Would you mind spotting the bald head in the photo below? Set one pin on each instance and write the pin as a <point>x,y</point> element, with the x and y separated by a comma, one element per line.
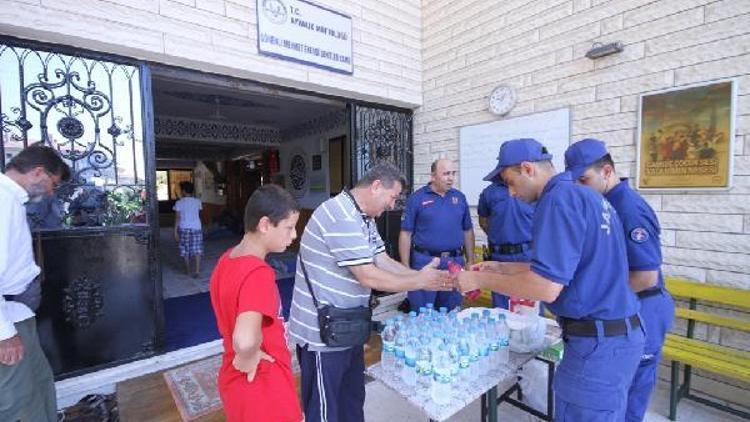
<point>443,175</point>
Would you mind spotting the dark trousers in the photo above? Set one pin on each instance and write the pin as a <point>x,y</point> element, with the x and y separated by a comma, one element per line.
<point>333,385</point>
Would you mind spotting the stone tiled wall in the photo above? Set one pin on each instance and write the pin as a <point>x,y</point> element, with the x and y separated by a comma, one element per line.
<point>220,36</point>
<point>539,46</point>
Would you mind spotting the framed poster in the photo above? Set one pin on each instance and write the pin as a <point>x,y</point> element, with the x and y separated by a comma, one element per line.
<point>686,137</point>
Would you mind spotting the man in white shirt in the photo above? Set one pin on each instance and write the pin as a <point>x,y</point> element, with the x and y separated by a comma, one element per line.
<point>27,389</point>
<point>188,231</point>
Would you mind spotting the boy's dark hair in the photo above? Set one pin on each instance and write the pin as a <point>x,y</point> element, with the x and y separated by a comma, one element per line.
<point>187,187</point>
<point>270,201</point>
<point>39,155</point>
<point>607,159</point>
<point>387,173</point>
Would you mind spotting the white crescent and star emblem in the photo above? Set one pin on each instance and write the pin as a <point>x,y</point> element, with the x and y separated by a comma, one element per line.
<point>639,235</point>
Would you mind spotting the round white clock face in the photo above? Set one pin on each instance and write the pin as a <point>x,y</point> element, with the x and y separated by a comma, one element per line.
<point>502,100</point>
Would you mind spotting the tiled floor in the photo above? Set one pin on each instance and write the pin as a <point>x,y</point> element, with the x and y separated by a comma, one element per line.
<point>175,281</point>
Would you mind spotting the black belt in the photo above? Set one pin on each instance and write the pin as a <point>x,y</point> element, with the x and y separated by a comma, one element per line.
<point>443,254</point>
<point>509,248</point>
<point>9,297</point>
<point>587,328</point>
<point>648,293</point>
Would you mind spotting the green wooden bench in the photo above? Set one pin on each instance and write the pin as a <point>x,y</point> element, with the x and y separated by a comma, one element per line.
<point>696,353</point>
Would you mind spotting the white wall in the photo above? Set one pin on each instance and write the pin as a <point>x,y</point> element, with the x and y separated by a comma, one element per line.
<point>205,186</point>
<point>220,36</point>
<point>310,145</point>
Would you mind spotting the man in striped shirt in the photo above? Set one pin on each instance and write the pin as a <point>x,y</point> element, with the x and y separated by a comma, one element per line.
<point>344,257</point>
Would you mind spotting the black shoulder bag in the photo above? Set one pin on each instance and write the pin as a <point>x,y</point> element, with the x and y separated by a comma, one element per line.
<point>340,327</point>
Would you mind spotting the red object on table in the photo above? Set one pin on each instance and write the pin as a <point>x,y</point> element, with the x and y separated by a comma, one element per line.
<point>455,268</point>
<point>514,302</point>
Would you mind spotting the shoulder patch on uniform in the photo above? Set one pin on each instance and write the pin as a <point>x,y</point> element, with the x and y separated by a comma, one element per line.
<point>455,200</point>
<point>639,235</point>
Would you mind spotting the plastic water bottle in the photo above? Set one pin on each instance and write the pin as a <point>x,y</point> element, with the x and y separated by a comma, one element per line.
<point>409,371</point>
<point>494,345</point>
<point>464,358</point>
<point>503,339</point>
<point>398,353</point>
<point>441,388</point>
<point>443,311</point>
<point>483,344</point>
<point>424,367</point>
<point>388,355</point>
<point>430,309</point>
<point>454,355</point>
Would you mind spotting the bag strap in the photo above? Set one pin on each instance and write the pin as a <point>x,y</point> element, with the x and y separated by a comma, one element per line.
<point>307,280</point>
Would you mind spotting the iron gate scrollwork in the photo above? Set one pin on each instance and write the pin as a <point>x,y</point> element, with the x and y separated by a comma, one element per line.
<point>101,295</point>
<point>380,135</point>
<point>89,111</point>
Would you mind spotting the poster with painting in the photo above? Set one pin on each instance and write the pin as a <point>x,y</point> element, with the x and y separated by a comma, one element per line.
<point>685,137</point>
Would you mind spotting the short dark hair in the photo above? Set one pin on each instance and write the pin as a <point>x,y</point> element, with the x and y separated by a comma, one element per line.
<point>270,201</point>
<point>39,155</point>
<point>187,187</point>
<point>607,159</point>
<point>387,173</point>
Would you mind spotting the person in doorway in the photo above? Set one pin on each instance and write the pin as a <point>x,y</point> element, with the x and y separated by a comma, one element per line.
<point>344,258</point>
<point>590,164</point>
<point>579,268</point>
<point>255,378</point>
<point>507,222</point>
<point>27,389</point>
<point>436,224</point>
<point>188,231</point>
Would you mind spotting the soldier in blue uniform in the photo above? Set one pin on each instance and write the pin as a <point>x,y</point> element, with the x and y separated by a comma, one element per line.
<point>579,268</point>
<point>590,164</point>
<point>507,222</point>
<point>436,223</point>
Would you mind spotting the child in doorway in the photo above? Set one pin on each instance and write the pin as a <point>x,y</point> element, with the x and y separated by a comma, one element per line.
<point>255,379</point>
<point>188,231</point>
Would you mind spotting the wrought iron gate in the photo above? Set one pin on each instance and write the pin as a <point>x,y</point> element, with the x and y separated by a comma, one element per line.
<point>95,239</point>
<point>380,135</point>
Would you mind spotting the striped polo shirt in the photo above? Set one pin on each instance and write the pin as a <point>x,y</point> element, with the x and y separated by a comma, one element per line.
<point>338,236</point>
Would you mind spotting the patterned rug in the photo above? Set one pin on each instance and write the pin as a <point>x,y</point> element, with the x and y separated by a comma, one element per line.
<point>194,388</point>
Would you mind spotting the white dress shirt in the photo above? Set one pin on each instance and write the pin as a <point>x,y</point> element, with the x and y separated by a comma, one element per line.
<point>17,266</point>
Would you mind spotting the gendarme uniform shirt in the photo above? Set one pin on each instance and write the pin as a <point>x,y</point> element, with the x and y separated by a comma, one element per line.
<point>437,222</point>
<point>509,218</point>
<point>337,237</point>
<point>642,230</point>
<point>17,266</point>
<point>579,243</point>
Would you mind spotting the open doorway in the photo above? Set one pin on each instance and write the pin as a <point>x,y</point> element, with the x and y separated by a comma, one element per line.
<point>228,138</point>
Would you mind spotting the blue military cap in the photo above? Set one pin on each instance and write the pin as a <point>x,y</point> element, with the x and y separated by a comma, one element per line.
<point>582,154</point>
<point>517,151</point>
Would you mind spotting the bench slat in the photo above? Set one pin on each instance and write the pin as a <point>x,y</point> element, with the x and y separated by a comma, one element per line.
<point>723,353</point>
<point>697,358</point>
<point>712,319</point>
<point>709,292</point>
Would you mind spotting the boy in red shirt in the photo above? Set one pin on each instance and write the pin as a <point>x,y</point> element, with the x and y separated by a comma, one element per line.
<point>255,380</point>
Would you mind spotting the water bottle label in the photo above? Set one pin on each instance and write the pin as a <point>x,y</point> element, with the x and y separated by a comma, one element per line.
<point>410,362</point>
<point>399,353</point>
<point>504,343</point>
